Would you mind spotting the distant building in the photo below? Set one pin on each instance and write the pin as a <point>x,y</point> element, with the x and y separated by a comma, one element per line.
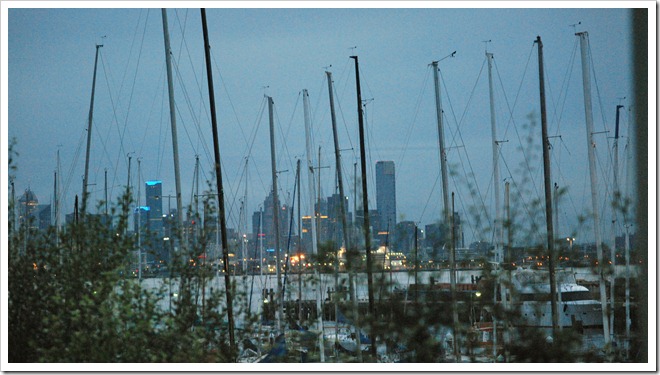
<point>405,237</point>
<point>438,238</point>
<point>38,216</point>
<point>359,234</point>
<point>385,198</point>
<point>268,223</point>
<point>154,194</point>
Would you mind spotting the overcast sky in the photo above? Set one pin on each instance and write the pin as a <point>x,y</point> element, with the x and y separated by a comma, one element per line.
<point>279,52</point>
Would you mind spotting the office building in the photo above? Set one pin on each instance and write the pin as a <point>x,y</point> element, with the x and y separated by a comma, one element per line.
<point>385,199</point>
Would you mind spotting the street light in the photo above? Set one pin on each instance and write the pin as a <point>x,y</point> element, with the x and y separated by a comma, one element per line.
<point>570,243</point>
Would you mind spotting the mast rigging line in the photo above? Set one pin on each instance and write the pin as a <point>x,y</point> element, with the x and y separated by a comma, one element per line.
<point>345,76</point>
<point>122,149</point>
<point>512,120</point>
<point>114,117</point>
<point>195,120</point>
<point>137,24</point>
<point>411,127</point>
<point>563,180</point>
<point>248,144</point>
<point>284,146</point>
<point>564,89</point>
<point>114,107</point>
<point>460,134</point>
<point>74,162</point>
<point>525,205</point>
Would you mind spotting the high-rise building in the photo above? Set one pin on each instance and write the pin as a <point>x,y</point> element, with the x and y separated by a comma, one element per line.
<point>31,212</point>
<point>154,193</point>
<point>386,196</point>
<point>153,245</point>
<point>267,223</point>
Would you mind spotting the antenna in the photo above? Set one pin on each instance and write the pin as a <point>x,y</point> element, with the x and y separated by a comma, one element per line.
<point>575,24</point>
<point>486,43</point>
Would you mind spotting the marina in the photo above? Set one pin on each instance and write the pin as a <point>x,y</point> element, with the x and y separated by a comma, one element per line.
<point>349,223</point>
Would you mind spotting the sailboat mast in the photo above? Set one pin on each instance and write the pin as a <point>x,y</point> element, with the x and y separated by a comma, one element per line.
<point>221,196</point>
<point>139,225</point>
<point>300,259</point>
<point>617,195</point>
<point>445,208</point>
<point>496,169</point>
<point>54,210</point>
<point>105,188</point>
<point>310,182</point>
<point>627,247</point>
<point>548,192</point>
<point>175,145</point>
<point>586,85</point>
<point>365,207</point>
<point>57,199</point>
<point>342,211</point>
<point>198,217</point>
<point>441,141</point>
<point>89,135</point>
<point>276,216</point>
<point>245,218</point>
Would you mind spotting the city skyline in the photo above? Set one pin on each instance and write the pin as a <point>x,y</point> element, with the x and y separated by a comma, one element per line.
<point>254,58</point>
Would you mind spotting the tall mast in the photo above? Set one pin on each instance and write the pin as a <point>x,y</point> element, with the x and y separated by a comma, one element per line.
<point>128,181</point>
<point>57,200</point>
<point>13,207</point>
<point>276,215</point>
<point>310,182</point>
<point>54,209</point>
<point>221,195</point>
<point>496,169</point>
<point>245,218</point>
<point>318,198</point>
<point>615,200</point>
<point>89,135</point>
<point>198,217</point>
<point>445,208</point>
<point>105,187</point>
<point>627,246</point>
<point>354,193</point>
<point>365,208</point>
<point>555,202</point>
<point>342,211</point>
<point>300,261</point>
<point>441,141</point>
<point>548,193</point>
<point>139,226</point>
<point>586,85</point>
<point>175,145</point>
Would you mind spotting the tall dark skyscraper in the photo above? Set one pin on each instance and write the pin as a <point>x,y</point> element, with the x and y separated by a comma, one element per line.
<point>154,191</point>
<point>386,195</point>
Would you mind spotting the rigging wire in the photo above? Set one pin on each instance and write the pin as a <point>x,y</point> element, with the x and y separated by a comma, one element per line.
<point>512,121</point>
<point>525,205</point>
<point>458,132</point>
<point>73,164</point>
<point>411,127</point>
<point>114,117</point>
<point>431,193</point>
<point>195,120</point>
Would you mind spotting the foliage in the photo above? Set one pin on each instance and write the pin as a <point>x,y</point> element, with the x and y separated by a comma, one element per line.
<point>70,300</point>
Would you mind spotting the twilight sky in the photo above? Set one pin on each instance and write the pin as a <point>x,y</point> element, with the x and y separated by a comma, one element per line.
<point>280,52</point>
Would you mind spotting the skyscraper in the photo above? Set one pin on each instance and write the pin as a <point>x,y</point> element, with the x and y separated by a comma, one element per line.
<point>154,207</point>
<point>386,196</point>
<point>154,192</point>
